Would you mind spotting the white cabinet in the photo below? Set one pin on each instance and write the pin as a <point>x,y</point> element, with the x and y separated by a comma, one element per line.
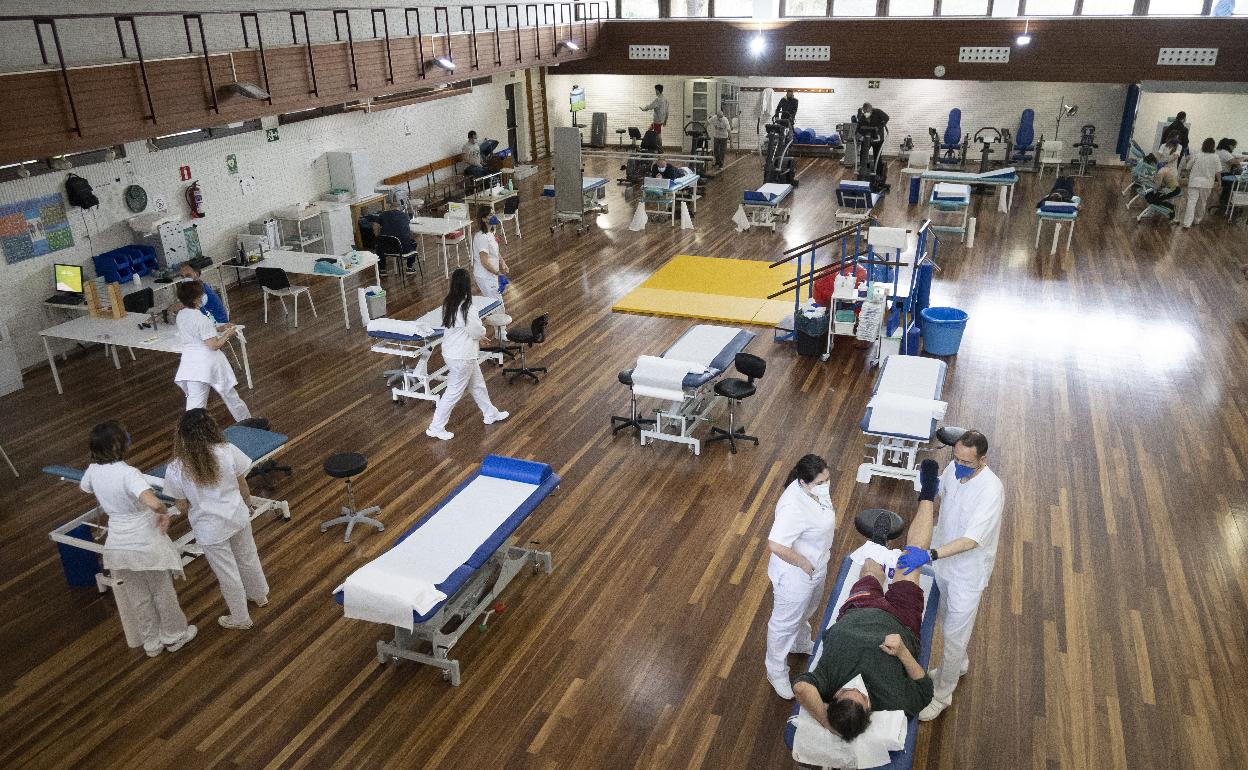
<point>336,224</point>
<point>350,170</point>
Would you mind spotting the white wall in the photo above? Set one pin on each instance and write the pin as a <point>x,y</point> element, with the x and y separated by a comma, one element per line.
<point>288,171</point>
<point>912,105</point>
<point>1216,115</point>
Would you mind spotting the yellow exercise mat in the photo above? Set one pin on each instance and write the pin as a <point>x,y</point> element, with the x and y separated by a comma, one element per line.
<point>711,289</point>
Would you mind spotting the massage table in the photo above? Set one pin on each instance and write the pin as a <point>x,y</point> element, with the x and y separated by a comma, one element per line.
<point>664,196</point>
<point>888,743</point>
<point>902,416</point>
<point>763,206</point>
<point>1003,178</point>
<point>854,203</point>
<point>952,198</point>
<point>593,188</point>
<point>683,379</point>
<point>258,445</point>
<point>448,569</point>
<point>415,340</point>
<point>1057,212</point>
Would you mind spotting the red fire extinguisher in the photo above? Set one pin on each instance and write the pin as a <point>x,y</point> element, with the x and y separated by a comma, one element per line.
<point>195,200</point>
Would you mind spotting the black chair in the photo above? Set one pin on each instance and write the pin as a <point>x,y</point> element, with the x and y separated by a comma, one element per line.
<point>949,435</point>
<point>511,213</point>
<point>344,466</point>
<point>634,136</point>
<point>527,338</point>
<point>274,282</point>
<point>735,389</point>
<point>268,466</point>
<point>633,420</point>
<point>391,246</point>
<point>879,525</point>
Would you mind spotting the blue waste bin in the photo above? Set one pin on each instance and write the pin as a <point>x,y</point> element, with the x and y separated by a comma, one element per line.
<point>942,330</point>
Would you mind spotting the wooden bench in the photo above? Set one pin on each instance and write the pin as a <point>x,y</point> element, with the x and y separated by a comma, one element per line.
<point>435,192</point>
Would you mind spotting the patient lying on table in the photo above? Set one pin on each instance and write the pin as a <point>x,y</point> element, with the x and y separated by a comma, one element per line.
<point>869,653</point>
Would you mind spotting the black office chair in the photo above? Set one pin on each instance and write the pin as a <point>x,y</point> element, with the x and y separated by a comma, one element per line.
<point>527,338</point>
<point>634,420</point>
<point>274,282</point>
<point>735,389</point>
<point>634,136</point>
<point>391,246</point>
<point>268,466</point>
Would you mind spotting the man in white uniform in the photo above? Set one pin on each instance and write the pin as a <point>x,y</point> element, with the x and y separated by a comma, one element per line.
<point>967,530</point>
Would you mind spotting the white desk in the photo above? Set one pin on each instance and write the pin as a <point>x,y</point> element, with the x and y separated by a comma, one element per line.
<point>304,263</point>
<point>440,227</point>
<point>495,196</point>
<point>126,333</point>
<point>147,282</point>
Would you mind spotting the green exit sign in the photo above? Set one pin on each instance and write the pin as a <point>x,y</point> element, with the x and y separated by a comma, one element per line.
<point>271,134</point>
<point>873,84</point>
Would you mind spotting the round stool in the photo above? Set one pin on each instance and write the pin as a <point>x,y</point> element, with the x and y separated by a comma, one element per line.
<point>498,321</point>
<point>865,522</point>
<point>619,134</point>
<point>634,419</point>
<point>949,435</point>
<point>343,466</point>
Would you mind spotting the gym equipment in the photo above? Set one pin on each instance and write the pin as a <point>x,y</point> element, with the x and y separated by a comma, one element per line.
<point>777,163</point>
<point>954,151</point>
<point>1086,145</point>
<point>849,135</point>
<point>1023,138</point>
<point>699,139</point>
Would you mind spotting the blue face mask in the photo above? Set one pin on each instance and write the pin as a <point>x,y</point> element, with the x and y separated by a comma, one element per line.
<point>961,471</point>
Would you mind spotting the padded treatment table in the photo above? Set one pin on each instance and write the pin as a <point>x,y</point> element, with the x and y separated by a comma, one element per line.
<point>416,340</point>
<point>951,198</point>
<point>1057,212</point>
<point>816,746</point>
<point>1003,178</point>
<point>854,202</point>
<point>664,196</point>
<point>902,416</point>
<point>592,190</point>
<point>763,207</point>
<point>258,445</point>
<point>705,351</point>
<point>448,569</point>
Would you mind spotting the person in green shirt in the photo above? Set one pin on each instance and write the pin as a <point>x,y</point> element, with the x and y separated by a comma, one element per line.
<point>876,636</point>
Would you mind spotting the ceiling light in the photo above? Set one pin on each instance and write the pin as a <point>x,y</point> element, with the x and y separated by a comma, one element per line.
<point>570,45</point>
<point>445,63</point>
<point>757,45</point>
<point>1025,38</point>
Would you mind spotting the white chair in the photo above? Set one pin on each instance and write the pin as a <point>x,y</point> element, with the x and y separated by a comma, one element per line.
<point>273,282</point>
<point>459,238</point>
<point>1052,154</point>
<point>510,213</point>
<point>1239,196</point>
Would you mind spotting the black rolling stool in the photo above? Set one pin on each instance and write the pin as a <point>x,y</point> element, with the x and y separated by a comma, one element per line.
<point>344,466</point>
<point>736,389</point>
<point>527,338</point>
<point>949,435</point>
<point>619,137</point>
<point>268,466</point>
<point>633,420</point>
<point>879,525</point>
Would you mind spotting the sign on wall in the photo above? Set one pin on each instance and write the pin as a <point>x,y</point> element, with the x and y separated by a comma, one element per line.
<point>33,228</point>
<point>231,163</point>
<point>271,134</point>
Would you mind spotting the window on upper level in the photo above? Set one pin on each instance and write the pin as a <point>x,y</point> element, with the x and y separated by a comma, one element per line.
<point>853,7</point>
<point>734,8</point>
<point>964,8</point>
<point>805,7</point>
<point>910,7</point>
<point>690,8</point>
<point>1108,7</point>
<point>1175,7</point>
<point>1048,7</point>
<point>639,9</point>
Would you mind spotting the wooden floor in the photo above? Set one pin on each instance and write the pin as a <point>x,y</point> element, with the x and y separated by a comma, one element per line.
<point>1110,381</point>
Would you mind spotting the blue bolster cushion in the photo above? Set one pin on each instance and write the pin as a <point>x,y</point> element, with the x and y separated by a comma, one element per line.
<point>511,469</point>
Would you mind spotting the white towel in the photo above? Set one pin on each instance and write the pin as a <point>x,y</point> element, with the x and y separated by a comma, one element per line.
<point>663,378</point>
<point>395,326</point>
<point>886,557</point>
<point>907,415</point>
<point>639,218</point>
<point>813,744</point>
<point>741,220</point>
<point>686,222</point>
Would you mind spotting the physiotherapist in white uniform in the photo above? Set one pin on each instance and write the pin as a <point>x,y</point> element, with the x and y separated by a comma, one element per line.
<point>487,263</point>
<point>800,542</point>
<point>967,530</point>
<point>137,550</point>
<point>208,482</point>
<point>204,367</point>
<point>461,350</point>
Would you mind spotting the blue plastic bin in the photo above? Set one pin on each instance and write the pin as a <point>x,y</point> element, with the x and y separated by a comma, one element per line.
<point>942,330</point>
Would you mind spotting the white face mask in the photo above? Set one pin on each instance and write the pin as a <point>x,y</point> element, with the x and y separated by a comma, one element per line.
<point>820,490</point>
<point>662,169</point>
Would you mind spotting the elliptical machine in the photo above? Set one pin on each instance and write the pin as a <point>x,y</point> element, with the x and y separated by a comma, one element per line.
<point>777,163</point>
<point>869,166</point>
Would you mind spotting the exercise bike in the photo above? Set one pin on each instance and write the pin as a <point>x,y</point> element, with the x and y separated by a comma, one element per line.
<point>983,138</point>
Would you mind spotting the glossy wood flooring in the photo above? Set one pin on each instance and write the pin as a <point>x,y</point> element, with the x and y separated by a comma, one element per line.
<point>1110,380</point>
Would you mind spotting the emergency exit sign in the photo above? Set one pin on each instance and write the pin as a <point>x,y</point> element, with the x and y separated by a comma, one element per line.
<point>271,134</point>
<point>873,84</point>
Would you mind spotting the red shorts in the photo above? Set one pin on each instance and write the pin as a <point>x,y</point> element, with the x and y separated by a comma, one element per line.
<point>656,128</point>
<point>903,600</point>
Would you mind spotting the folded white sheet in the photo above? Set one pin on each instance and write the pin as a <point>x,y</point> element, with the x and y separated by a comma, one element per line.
<point>702,343</point>
<point>911,376</point>
<point>907,415</point>
<point>815,745</point>
<point>656,377</point>
<point>396,326</point>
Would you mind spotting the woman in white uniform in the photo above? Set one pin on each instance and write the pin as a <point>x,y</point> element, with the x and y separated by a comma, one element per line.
<point>487,263</point>
<point>461,350</point>
<point>208,482</point>
<point>1203,173</point>
<point>204,367</point>
<point>137,550</point>
<point>800,542</point>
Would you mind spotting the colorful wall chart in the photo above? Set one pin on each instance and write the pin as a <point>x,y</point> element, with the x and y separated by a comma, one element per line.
<point>33,228</point>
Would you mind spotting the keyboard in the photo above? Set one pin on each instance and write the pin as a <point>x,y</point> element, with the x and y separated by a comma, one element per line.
<point>66,298</point>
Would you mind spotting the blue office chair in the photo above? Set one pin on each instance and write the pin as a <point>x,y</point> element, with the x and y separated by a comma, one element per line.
<point>952,142</point>
<point>1024,138</point>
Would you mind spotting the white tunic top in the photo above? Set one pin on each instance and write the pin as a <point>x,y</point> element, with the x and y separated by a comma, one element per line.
<point>487,282</point>
<point>217,510</point>
<point>805,525</point>
<point>459,341</point>
<point>969,510</point>
<point>133,541</point>
<point>1205,169</point>
<point>201,363</point>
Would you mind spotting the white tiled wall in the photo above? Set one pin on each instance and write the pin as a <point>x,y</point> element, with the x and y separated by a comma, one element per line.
<point>288,171</point>
<point>1216,115</point>
<point>913,105</point>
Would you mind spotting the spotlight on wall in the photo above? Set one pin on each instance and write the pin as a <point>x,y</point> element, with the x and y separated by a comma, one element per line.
<point>110,155</point>
<point>444,62</point>
<point>1025,38</point>
<point>22,171</point>
<point>568,44</point>
<point>61,163</point>
<point>758,44</point>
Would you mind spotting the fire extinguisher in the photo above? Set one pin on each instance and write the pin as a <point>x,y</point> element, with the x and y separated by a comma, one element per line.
<point>195,200</point>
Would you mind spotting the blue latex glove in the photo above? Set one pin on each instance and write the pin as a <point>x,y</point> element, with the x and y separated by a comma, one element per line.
<point>913,558</point>
<point>503,283</point>
<point>929,480</point>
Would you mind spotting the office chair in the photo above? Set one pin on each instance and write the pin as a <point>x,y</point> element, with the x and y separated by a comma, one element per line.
<point>527,338</point>
<point>735,390</point>
<point>391,246</point>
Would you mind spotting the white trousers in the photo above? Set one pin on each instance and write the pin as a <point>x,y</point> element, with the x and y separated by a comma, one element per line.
<point>956,615</point>
<point>461,376</point>
<point>197,398</point>
<point>1197,202</point>
<point>237,567</point>
<point>154,605</point>
<point>796,598</point>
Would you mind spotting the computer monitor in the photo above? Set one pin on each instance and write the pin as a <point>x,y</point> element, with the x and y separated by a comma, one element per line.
<point>68,278</point>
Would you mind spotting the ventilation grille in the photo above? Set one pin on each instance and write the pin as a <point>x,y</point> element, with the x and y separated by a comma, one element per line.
<point>984,54</point>
<point>659,52</point>
<point>808,53</point>
<point>1199,57</point>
